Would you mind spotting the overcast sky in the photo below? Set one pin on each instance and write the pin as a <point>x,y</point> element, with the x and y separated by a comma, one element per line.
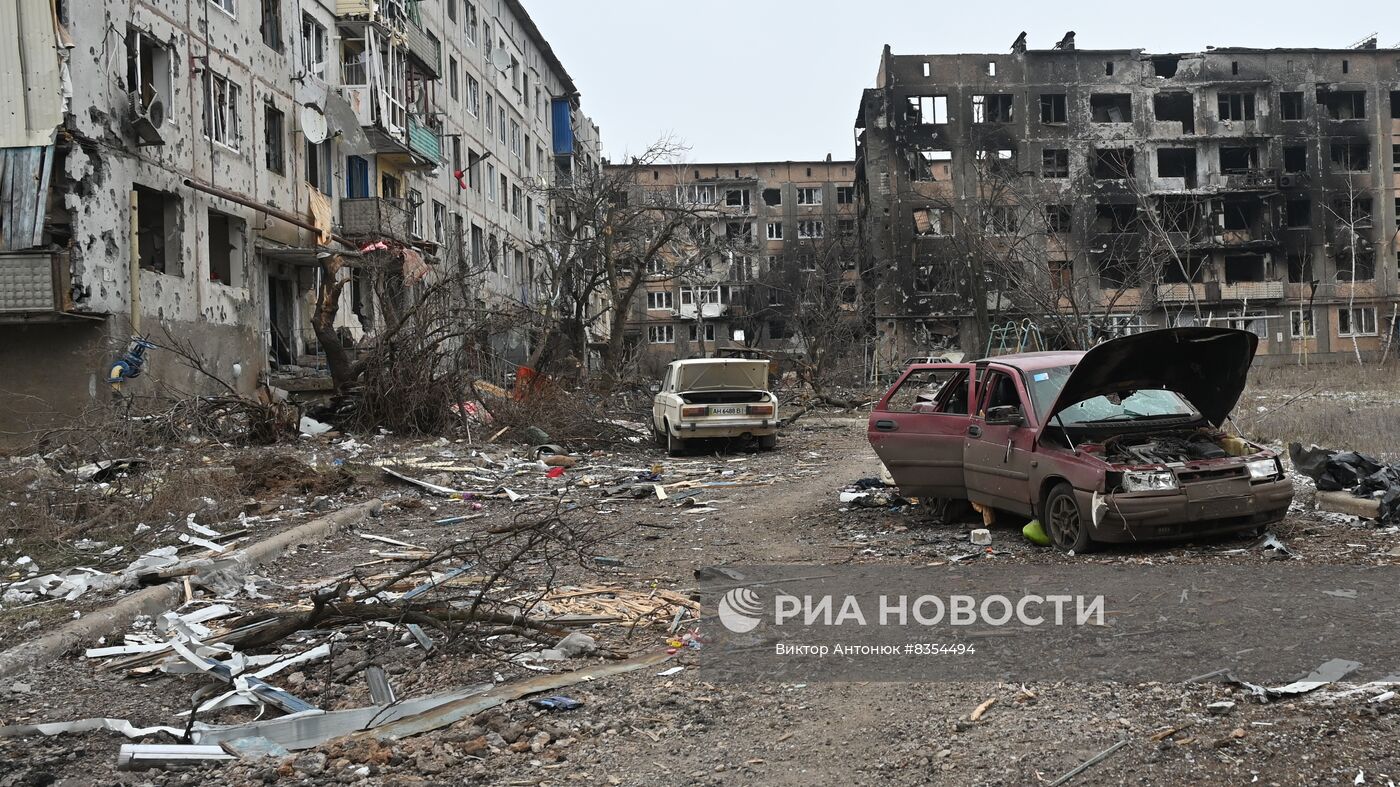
<point>752,80</point>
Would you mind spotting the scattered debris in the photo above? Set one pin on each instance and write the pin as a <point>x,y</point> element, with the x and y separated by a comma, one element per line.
<point>1089,763</point>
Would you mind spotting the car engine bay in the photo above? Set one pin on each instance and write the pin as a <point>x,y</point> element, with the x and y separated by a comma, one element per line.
<point>1161,448</point>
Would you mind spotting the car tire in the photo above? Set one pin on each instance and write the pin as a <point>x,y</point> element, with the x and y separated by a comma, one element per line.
<point>658,436</point>
<point>1064,521</point>
<point>675,446</point>
<point>768,442</point>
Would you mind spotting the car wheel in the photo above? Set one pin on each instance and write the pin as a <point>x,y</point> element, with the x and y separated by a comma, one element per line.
<point>675,446</point>
<point>1064,522</point>
<point>658,436</point>
<point>768,442</point>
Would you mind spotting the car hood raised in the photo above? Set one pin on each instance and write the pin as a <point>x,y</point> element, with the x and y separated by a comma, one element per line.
<point>722,374</point>
<point>1208,366</point>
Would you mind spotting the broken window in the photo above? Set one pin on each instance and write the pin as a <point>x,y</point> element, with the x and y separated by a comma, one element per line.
<point>1343,104</point>
<point>1178,213</point>
<point>315,42</point>
<point>1061,274</point>
<point>1240,214</point>
<point>1295,158</point>
<point>270,24</point>
<point>809,195</point>
<point>1175,106</point>
<point>738,231</point>
<point>1236,106</point>
<point>1245,267</point>
<point>1058,219</point>
<point>709,329</point>
<point>1298,213</point>
<point>158,222</point>
<point>1299,267</point>
<point>927,110</point>
<point>1054,163</point>
<point>1117,272</point>
<point>1184,269</point>
<point>994,108</point>
<point>1177,163</point>
<point>1356,321</point>
<point>933,165</point>
<point>775,230</point>
<point>845,195</point>
<point>1052,108</point>
<point>274,138</point>
<point>220,110</point>
<point>147,69</point>
<point>773,197</point>
<point>225,248</point>
<point>1251,320</point>
<point>1355,212</point>
<point>1352,156</point>
<point>1115,217</point>
<point>1238,160</point>
<point>846,227</point>
<point>1111,107</point>
<point>661,334</point>
<point>809,229</point>
<point>933,221</point>
<point>1113,163</point>
<point>1291,105</point>
<point>1165,66</point>
<point>1002,160</point>
<point>737,198</point>
<point>999,219</point>
<point>1300,324</point>
<point>695,195</point>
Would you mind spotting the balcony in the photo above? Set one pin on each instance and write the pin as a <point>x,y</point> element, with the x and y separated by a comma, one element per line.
<point>424,140</point>
<point>1211,292</point>
<point>33,282</point>
<point>1181,293</point>
<point>377,218</point>
<point>1252,290</point>
<point>423,51</point>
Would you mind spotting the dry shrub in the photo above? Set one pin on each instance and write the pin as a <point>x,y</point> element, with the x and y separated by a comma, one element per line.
<point>579,416</point>
<point>281,474</point>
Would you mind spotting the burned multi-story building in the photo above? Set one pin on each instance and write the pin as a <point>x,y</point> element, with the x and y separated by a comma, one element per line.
<point>786,223</point>
<point>182,165</point>
<point>999,193</point>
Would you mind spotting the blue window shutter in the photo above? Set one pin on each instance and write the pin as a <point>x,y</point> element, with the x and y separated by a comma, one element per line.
<point>563,127</point>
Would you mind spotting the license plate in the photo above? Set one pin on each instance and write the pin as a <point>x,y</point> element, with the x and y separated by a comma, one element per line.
<point>726,411</point>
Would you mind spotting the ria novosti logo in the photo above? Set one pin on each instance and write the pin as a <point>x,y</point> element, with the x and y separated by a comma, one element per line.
<point>740,610</point>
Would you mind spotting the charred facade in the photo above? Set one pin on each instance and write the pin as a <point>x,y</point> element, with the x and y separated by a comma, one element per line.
<point>999,193</point>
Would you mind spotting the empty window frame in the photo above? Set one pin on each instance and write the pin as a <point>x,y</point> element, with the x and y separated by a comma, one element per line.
<point>999,219</point>
<point>695,195</point>
<point>709,329</point>
<point>1115,218</point>
<point>846,195</point>
<point>809,229</point>
<point>1354,156</point>
<point>661,334</point>
<point>736,198</point>
<point>1343,104</point>
<point>1113,163</point>
<point>933,164</point>
<point>775,230</point>
<point>994,108</point>
<point>1054,163</point>
<point>318,167</point>
<point>158,221</point>
<point>1111,107</point>
<point>773,198</point>
<point>274,139</point>
<point>1053,109</point>
<point>1290,105</point>
<point>270,24</point>
<point>657,301</point>
<point>225,244</point>
<point>1299,267</point>
<point>1236,106</point>
<point>315,43</point>
<point>1240,214</point>
<point>933,221</point>
<point>1245,268</point>
<point>1236,160</point>
<point>809,195</point>
<point>1184,268</point>
<point>1177,163</point>
<point>1356,321</point>
<point>147,69</point>
<point>927,110</point>
<point>1295,158</point>
<point>1058,219</point>
<point>738,232</point>
<point>1355,212</point>
<point>1175,106</point>
<point>1298,212</point>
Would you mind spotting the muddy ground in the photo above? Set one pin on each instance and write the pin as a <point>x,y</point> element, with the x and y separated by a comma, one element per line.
<point>645,729</point>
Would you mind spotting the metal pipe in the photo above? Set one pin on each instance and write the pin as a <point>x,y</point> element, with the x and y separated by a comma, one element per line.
<point>277,213</point>
<point>134,268</point>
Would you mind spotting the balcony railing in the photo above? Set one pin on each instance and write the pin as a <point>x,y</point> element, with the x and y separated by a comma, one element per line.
<point>424,139</point>
<point>425,52</point>
<point>377,217</point>
<point>1252,290</point>
<point>32,282</point>
<point>1216,291</point>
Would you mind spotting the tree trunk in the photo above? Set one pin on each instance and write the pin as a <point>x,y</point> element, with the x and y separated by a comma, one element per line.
<point>323,323</point>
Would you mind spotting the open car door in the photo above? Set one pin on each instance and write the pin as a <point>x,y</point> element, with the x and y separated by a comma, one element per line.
<point>917,429</point>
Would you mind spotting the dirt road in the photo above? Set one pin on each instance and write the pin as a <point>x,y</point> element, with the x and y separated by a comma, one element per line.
<point>645,729</point>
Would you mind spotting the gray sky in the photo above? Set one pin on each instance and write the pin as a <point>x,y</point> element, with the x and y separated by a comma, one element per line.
<point>746,80</point>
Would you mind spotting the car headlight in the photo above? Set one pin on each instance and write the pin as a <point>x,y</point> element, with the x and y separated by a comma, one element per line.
<point>1148,481</point>
<point>1263,470</point>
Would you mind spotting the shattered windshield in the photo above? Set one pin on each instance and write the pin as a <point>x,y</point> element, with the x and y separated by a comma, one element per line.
<point>1045,385</point>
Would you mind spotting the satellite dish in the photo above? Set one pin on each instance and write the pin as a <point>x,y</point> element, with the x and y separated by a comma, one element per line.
<point>500,58</point>
<point>313,125</point>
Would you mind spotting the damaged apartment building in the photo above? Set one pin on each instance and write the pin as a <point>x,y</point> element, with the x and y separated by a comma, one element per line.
<point>179,167</point>
<point>1254,188</point>
<point>777,222</point>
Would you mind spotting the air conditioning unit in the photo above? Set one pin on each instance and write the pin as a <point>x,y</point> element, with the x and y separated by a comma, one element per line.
<point>146,119</point>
